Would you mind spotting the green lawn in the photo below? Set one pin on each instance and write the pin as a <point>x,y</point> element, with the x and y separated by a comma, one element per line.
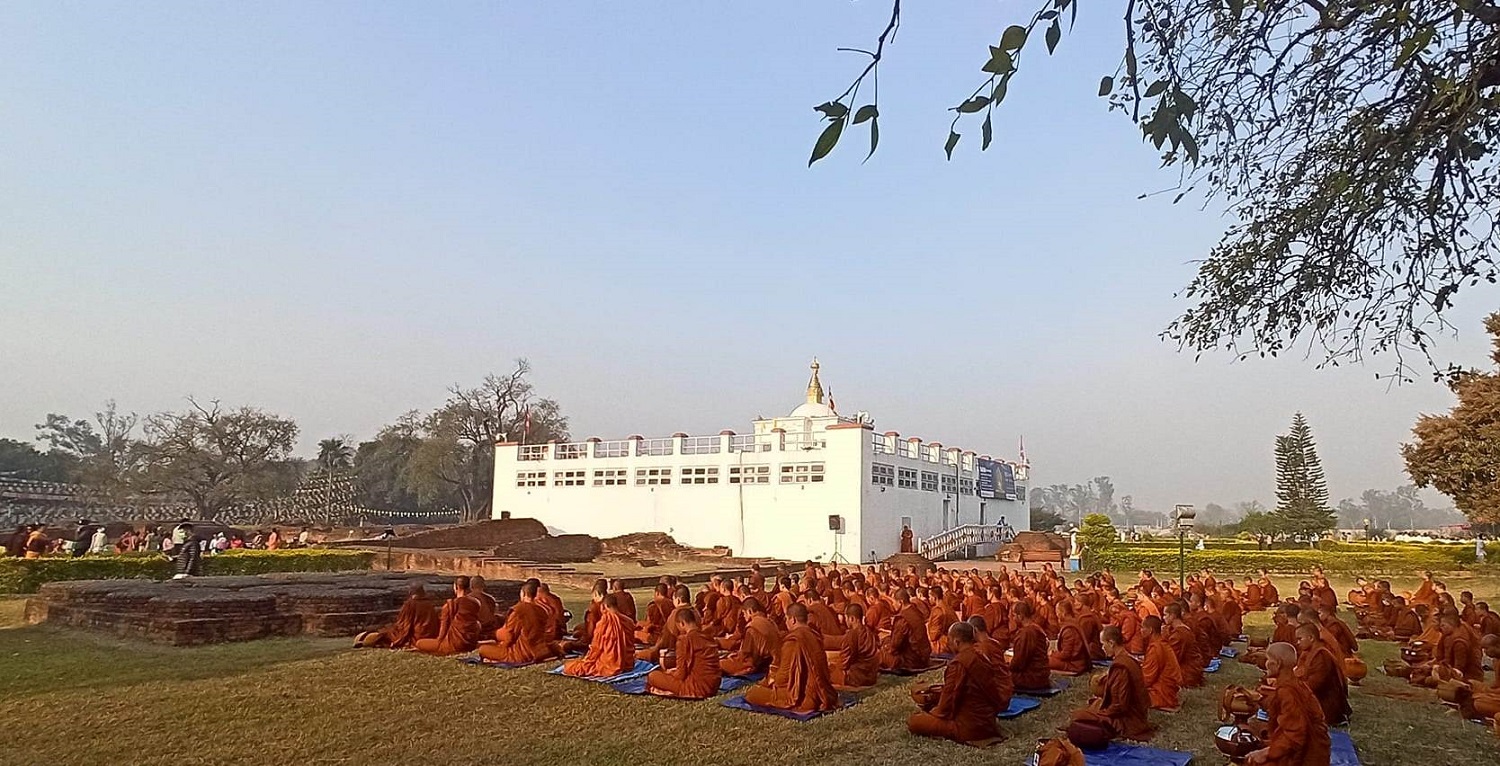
<point>83,699</point>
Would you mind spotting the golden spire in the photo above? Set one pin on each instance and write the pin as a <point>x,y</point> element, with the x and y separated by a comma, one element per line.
<point>815,386</point>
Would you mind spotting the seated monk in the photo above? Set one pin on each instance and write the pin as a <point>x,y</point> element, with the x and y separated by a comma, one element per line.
<point>1129,624</point>
<point>938,621</point>
<point>1162,674</point>
<point>991,650</point>
<point>1460,648</point>
<point>667,640</point>
<point>1323,674</point>
<point>557,613</point>
<point>1072,654</point>
<point>1028,661</point>
<point>458,624</point>
<point>623,598</point>
<point>612,650</point>
<point>906,648</point>
<point>1297,734</point>
<point>1483,700</point>
<point>725,618</point>
<point>821,617</point>
<point>695,675</point>
<point>967,702</point>
<point>583,634</point>
<point>489,608</point>
<point>1121,709</point>
<point>854,657</point>
<point>418,619</point>
<point>759,642</point>
<point>1348,645</point>
<point>526,636</point>
<point>657,613</point>
<point>1089,623</point>
<point>799,680</point>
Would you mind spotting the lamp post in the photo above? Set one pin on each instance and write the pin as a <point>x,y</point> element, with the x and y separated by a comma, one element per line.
<point>1183,515</point>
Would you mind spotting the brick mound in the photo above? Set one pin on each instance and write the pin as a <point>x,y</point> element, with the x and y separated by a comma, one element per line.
<point>1031,547</point>
<point>478,536</point>
<point>904,560</point>
<point>204,610</point>
<point>648,545</point>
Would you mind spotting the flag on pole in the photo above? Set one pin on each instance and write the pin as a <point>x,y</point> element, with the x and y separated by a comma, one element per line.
<point>1023,450</point>
<point>831,405</point>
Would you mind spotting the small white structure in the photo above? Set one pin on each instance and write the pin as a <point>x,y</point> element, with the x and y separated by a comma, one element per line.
<point>812,485</point>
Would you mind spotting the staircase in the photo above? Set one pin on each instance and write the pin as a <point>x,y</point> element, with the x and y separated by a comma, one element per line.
<point>949,542</point>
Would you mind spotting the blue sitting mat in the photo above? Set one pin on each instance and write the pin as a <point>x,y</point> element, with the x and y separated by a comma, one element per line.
<point>641,668</point>
<point>1242,638</point>
<point>630,684</point>
<point>1103,663</point>
<point>501,665</point>
<point>937,662</point>
<point>945,657</point>
<point>730,683</point>
<point>1213,666</point>
<point>1120,754</point>
<point>1058,685</point>
<point>1229,652</point>
<point>1342,753</point>
<point>738,703</point>
<point>1019,706</point>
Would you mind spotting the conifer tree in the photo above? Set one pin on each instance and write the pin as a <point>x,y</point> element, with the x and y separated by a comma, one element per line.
<point>1302,508</point>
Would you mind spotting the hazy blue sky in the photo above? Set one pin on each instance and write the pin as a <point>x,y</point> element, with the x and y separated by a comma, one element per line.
<point>336,210</point>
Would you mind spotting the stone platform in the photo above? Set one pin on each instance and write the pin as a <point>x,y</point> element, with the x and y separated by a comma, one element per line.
<point>204,610</point>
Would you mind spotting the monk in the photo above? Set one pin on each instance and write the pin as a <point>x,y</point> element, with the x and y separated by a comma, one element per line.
<point>458,624</point>
<point>1121,709</point>
<point>1460,648</point>
<point>906,648</point>
<point>1348,645</point>
<point>667,640</point>
<point>1129,624</point>
<point>657,613</point>
<point>1324,675</point>
<point>1089,623</point>
<point>555,610</point>
<point>1285,621</point>
<point>1028,662</point>
<point>821,618</point>
<point>854,657</point>
<point>991,650</point>
<point>418,619</point>
<point>623,598</point>
<point>1160,671</point>
<point>1426,594</point>
<point>489,608</point>
<point>938,621</point>
<point>612,650</point>
<point>799,680</point>
<point>1483,701</point>
<point>967,703</point>
<point>759,642</point>
<point>725,618</point>
<point>695,675</point>
<point>1072,654</point>
<point>526,636</point>
<point>1297,734</point>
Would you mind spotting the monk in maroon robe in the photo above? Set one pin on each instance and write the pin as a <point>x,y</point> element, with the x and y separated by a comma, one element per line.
<point>968,701</point>
<point>526,636</point>
<point>1122,709</point>
<point>695,674</point>
<point>1297,734</point>
<point>458,624</point>
<point>759,642</point>
<point>854,657</point>
<point>1028,662</point>
<point>418,619</point>
<point>799,680</point>
<point>906,648</point>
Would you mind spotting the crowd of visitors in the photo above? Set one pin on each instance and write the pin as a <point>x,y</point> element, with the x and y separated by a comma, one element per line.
<point>91,539</point>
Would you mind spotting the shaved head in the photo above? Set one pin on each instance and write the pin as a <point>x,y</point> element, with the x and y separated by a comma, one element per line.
<point>1280,657</point>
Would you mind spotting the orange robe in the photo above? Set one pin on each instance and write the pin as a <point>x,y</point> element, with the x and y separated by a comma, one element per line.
<point>666,640</point>
<point>1461,651</point>
<point>458,629</point>
<point>856,663</point>
<point>966,710</point>
<point>799,680</point>
<point>726,617</point>
<point>1162,674</point>
<point>758,647</point>
<point>822,619</point>
<point>1089,623</point>
<point>695,676</point>
<point>1072,655</point>
<point>1324,675</point>
<point>1298,733</point>
<point>938,622</point>
<point>1123,706</point>
<point>625,603</point>
<point>906,648</point>
<point>418,619</point>
<point>1185,647</point>
<point>1130,628</point>
<point>612,650</point>
<point>1425,594</point>
<point>992,651</point>
<point>556,611</point>
<point>657,613</point>
<point>1028,661</point>
<point>526,637</point>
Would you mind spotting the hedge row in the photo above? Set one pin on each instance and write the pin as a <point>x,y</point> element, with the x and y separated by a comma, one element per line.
<point>26,575</point>
<point>1231,563</point>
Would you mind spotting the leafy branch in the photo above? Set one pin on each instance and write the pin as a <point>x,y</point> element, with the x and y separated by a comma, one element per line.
<point>838,110</point>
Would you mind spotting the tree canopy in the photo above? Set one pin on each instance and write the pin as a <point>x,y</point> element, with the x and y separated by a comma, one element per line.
<point>1458,453</point>
<point>1301,490</point>
<point>1354,144</point>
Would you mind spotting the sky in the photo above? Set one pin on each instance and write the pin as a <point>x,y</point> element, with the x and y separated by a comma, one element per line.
<point>337,210</point>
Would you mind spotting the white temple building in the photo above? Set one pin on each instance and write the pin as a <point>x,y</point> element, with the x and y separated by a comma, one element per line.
<point>811,485</point>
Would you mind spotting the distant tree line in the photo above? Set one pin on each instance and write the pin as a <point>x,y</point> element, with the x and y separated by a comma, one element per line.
<point>215,458</point>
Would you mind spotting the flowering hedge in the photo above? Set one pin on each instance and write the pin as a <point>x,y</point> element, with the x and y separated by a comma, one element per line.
<point>1127,558</point>
<point>26,575</point>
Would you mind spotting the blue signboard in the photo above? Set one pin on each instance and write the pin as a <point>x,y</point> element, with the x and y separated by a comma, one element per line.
<point>986,480</point>
<point>1008,481</point>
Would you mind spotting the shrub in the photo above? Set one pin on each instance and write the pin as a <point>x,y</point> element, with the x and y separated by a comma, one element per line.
<point>26,575</point>
<point>1232,562</point>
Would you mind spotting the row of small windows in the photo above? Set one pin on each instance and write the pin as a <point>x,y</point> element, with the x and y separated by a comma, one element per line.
<point>791,473</point>
<point>883,475</point>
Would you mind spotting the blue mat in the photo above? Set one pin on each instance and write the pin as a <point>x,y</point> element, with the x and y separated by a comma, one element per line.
<point>630,685</point>
<point>1103,663</point>
<point>1118,754</point>
<point>738,703</point>
<point>501,665</point>
<point>641,668</point>
<point>1213,666</point>
<point>1229,652</point>
<point>1342,753</point>
<point>1019,706</point>
<point>730,683</point>
<point>1058,685</point>
<point>937,662</point>
<point>636,684</point>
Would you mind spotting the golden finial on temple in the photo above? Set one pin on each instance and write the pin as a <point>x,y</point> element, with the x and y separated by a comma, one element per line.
<point>815,386</point>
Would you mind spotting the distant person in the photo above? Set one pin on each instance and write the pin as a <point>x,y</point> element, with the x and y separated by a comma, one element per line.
<point>36,542</point>
<point>303,538</point>
<point>189,554</point>
<point>273,540</point>
<point>221,543</point>
<point>100,541</point>
<point>16,545</point>
<point>82,538</point>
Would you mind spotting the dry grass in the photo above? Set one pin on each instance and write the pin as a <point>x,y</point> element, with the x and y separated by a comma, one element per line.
<point>88,700</point>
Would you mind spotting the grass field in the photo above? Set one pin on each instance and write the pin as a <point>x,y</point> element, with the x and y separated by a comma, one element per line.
<point>82,699</point>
